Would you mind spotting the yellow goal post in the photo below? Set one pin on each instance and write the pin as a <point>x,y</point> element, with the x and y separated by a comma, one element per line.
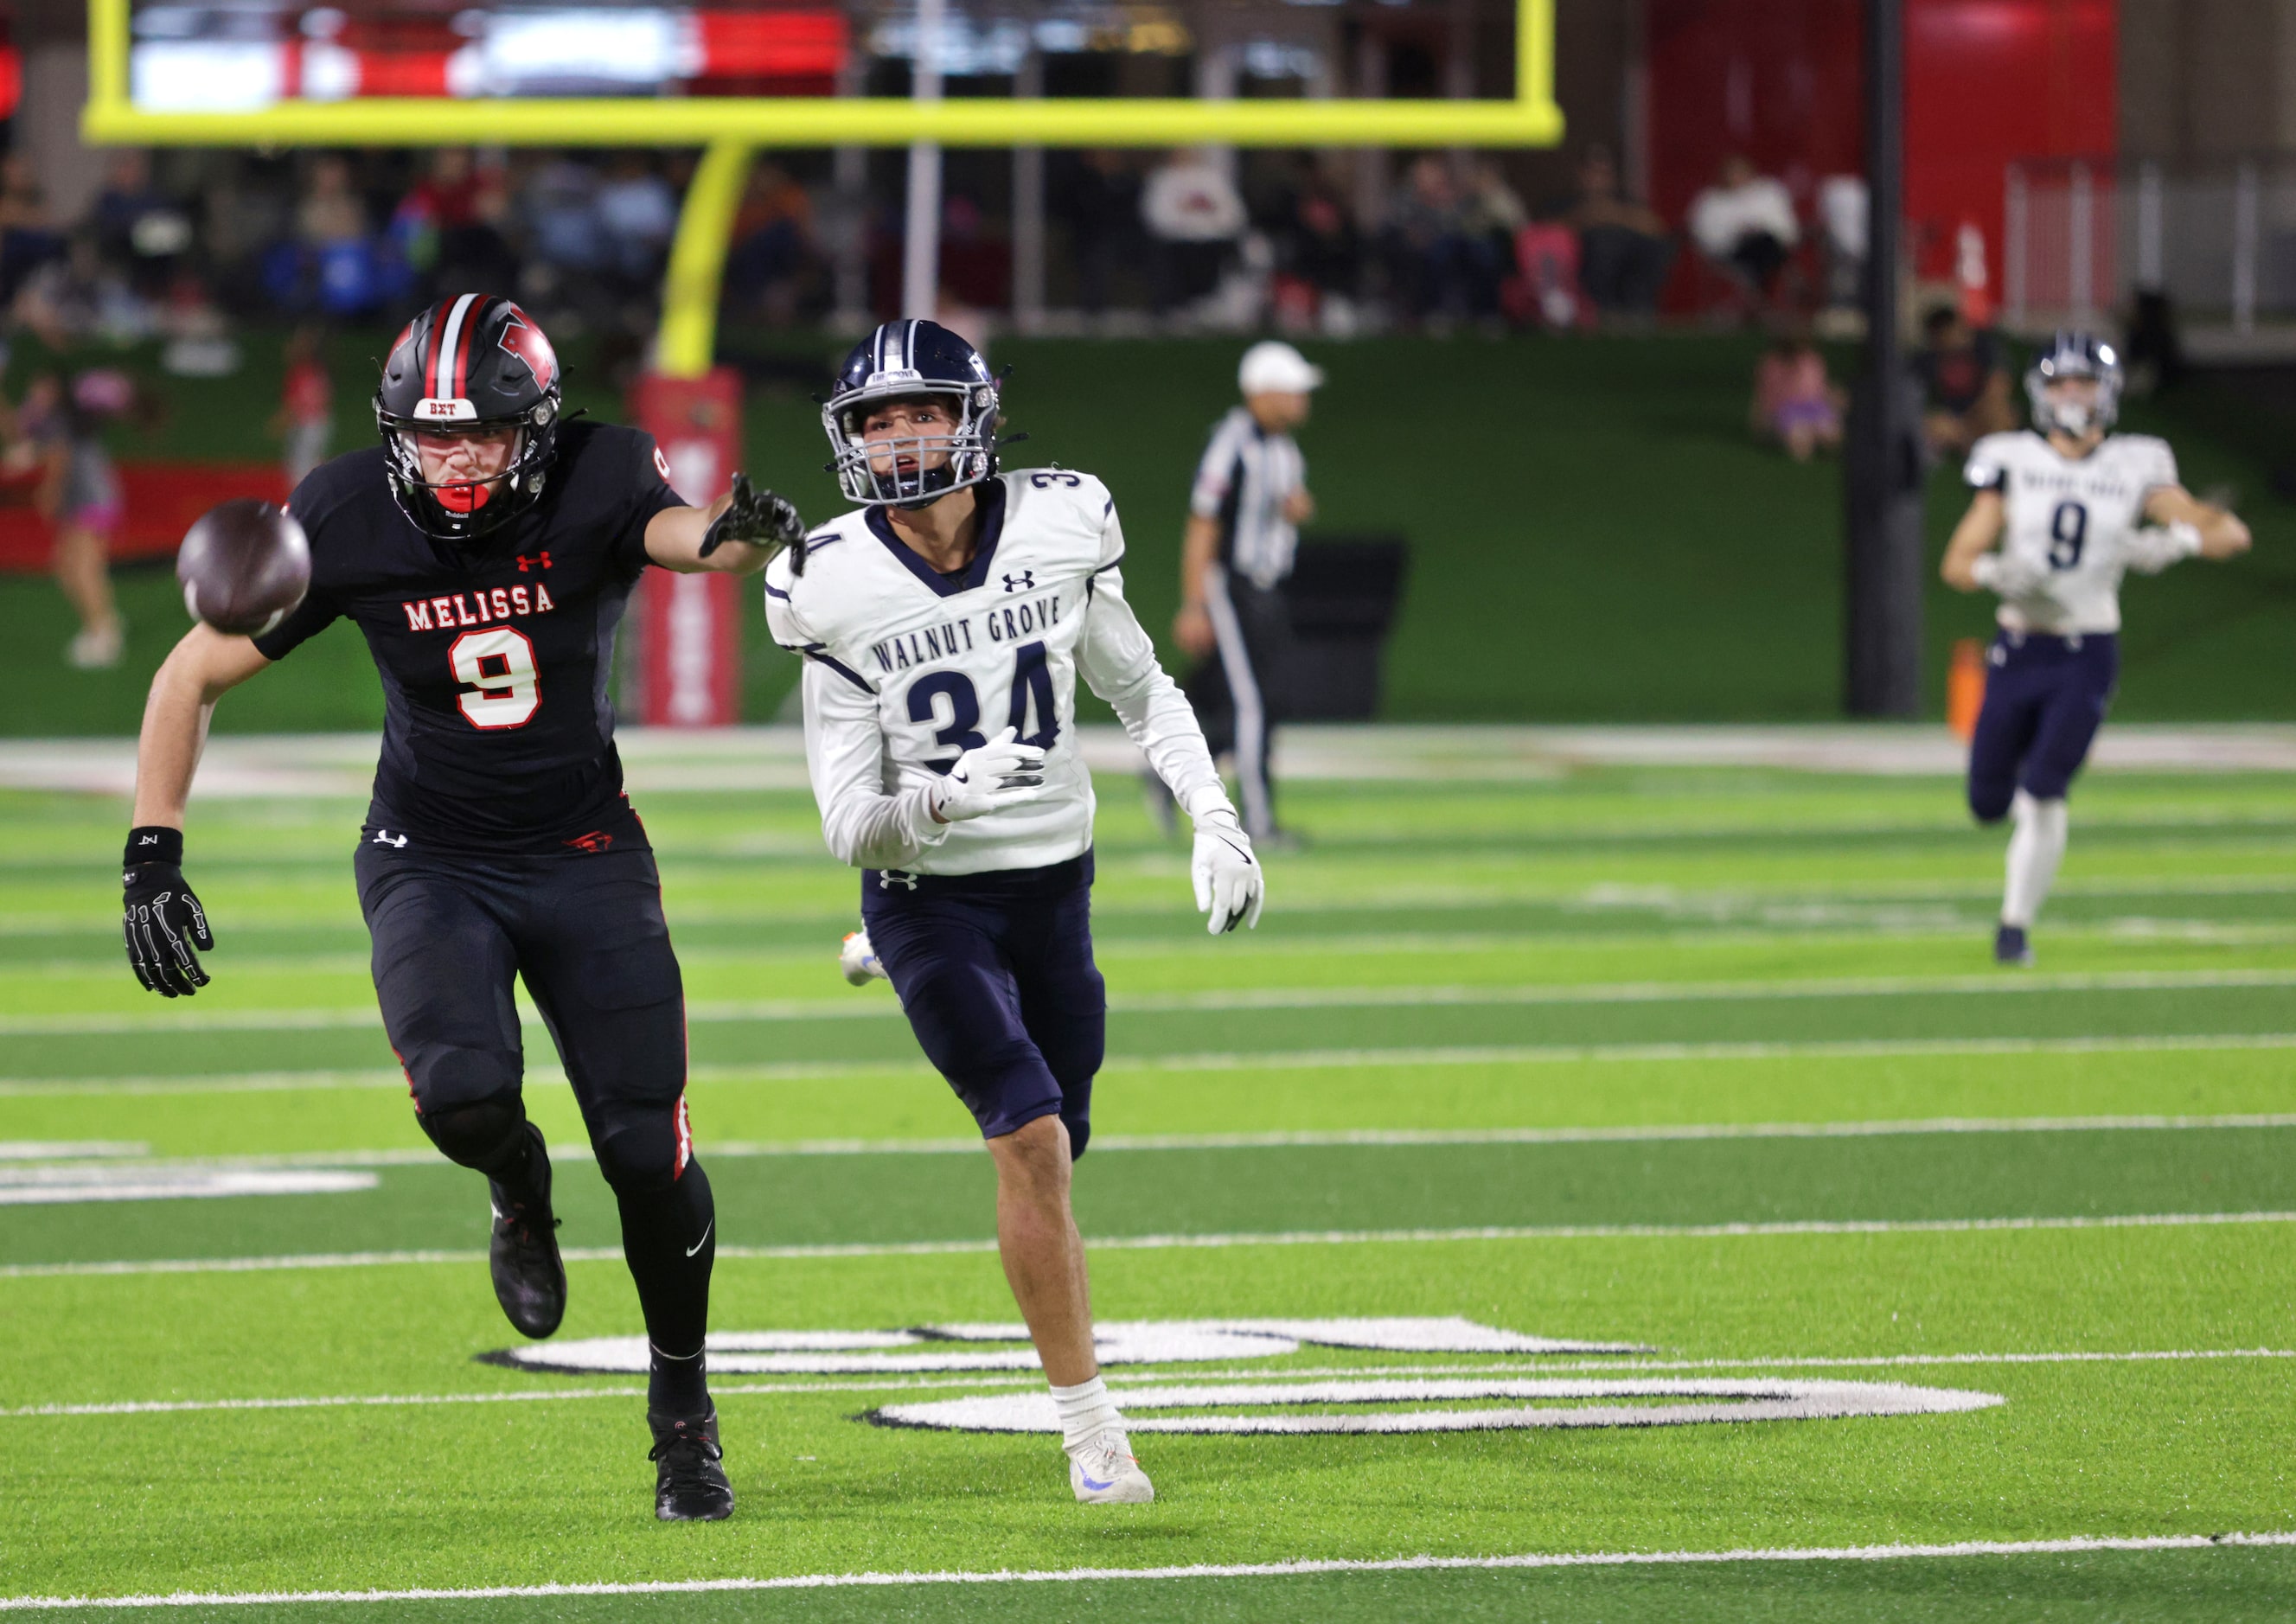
<point>731,129</point>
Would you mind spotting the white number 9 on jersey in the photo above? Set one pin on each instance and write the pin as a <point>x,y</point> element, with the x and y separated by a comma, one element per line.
<point>499,664</point>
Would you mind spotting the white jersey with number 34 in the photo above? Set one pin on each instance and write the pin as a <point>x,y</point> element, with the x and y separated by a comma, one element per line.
<point>906,669</point>
<point>2070,518</point>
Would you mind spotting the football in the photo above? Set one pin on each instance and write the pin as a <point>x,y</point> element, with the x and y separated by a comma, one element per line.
<point>244,565</point>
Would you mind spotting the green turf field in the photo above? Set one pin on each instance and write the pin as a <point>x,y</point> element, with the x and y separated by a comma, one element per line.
<point>1707,1062</point>
<point>1594,535</point>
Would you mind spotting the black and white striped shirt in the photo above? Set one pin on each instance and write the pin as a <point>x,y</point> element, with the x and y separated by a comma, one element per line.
<point>1243,481</point>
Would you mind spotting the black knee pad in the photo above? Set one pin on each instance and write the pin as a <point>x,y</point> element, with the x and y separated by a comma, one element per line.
<point>640,1147</point>
<point>488,1135</point>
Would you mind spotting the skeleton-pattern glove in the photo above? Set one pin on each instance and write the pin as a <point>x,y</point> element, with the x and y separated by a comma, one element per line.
<point>161,919</point>
<point>762,519</point>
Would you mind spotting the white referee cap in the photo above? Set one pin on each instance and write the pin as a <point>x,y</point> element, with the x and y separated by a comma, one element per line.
<point>1271,368</point>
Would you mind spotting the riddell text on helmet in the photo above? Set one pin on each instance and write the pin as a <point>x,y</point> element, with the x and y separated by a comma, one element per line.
<point>481,608</point>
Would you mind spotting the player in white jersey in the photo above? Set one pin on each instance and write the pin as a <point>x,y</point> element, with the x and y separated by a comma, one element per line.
<point>2073,507</point>
<point>944,625</point>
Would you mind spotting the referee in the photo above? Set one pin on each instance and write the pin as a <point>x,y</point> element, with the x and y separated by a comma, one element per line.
<point>1251,496</point>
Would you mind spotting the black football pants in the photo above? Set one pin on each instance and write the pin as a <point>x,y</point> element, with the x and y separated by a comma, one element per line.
<point>584,931</point>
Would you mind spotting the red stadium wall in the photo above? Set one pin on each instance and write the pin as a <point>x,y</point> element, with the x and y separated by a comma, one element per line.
<point>160,499</point>
<point>1987,81</point>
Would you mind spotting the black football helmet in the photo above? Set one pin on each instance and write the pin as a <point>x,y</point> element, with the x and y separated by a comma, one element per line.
<point>473,361</point>
<point>2074,355</point>
<point>904,361</point>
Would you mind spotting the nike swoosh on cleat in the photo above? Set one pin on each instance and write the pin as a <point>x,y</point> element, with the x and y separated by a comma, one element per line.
<point>1097,1488</point>
<point>697,1246</point>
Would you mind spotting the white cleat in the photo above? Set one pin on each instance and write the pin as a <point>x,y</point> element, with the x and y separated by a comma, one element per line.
<point>1103,1472</point>
<point>858,960</point>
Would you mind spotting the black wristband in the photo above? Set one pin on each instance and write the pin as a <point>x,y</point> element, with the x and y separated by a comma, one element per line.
<point>154,843</point>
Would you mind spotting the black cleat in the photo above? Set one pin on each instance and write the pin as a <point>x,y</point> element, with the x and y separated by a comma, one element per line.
<point>529,1278</point>
<point>689,1486</point>
<point>2010,946</point>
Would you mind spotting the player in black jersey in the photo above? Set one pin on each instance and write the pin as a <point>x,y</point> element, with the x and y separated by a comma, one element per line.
<point>486,550</point>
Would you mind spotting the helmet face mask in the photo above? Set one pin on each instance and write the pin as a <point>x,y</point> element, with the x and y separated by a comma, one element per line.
<point>473,366</point>
<point>2070,358</point>
<point>912,361</point>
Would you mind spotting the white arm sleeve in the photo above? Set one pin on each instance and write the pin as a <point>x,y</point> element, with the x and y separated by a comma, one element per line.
<point>845,755</point>
<point>1116,658</point>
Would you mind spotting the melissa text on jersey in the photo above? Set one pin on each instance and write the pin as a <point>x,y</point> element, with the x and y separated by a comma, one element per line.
<point>501,603</point>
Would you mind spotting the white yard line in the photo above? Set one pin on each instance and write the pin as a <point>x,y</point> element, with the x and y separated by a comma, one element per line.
<point>341,765</point>
<point>881,1006</point>
<point>1174,1243</point>
<point>1265,1569</point>
<point>132,1157</point>
<point>1120,1378</point>
<point>1230,1059</point>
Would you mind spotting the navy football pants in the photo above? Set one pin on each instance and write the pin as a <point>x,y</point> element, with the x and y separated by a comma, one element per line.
<point>584,931</point>
<point>2045,697</point>
<point>995,973</point>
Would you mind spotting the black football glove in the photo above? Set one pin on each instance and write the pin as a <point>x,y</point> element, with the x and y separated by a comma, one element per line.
<point>761,518</point>
<point>162,921</point>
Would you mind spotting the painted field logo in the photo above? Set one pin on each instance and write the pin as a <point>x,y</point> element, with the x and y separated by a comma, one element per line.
<point>1376,1402</point>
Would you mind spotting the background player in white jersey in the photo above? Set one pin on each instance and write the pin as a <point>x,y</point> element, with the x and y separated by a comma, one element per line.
<point>944,625</point>
<point>2073,507</point>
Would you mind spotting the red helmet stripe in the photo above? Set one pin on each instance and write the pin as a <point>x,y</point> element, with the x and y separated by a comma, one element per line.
<point>438,338</point>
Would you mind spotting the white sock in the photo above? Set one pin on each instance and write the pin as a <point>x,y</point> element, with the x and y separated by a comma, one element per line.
<point>1085,1410</point>
<point>2035,850</point>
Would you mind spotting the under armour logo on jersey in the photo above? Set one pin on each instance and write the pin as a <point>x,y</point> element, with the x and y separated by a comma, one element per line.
<point>597,840</point>
<point>889,878</point>
<point>540,560</point>
<point>1026,581</point>
<point>383,837</point>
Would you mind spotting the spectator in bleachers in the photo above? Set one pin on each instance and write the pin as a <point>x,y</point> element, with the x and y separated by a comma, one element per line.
<point>1745,224</point>
<point>1100,203</point>
<point>451,224</point>
<point>338,271</point>
<point>332,211</point>
<point>774,250</point>
<point>1427,250</point>
<point>1489,215</point>
<point>1624,249</point>
<point>639,214</point>
<point>1842,206</point>
<point>141,230</point>
<point>1795,403</point>
<point>1193,215</point>
<point>1321,253</point>
<point>28,239</point>
<point>566,239</point>
<point>1965,390</point>
<point>79,297</point>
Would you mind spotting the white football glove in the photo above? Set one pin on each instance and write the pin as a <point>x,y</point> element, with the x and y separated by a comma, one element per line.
<point>989,778</point>
<point>1230,883</point>
<point>2008,575</point>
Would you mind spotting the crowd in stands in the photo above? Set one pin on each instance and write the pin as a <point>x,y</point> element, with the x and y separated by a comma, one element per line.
<point>1194,237</point>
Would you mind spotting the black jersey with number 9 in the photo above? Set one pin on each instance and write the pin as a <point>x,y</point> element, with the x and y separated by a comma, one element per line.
<point>497,733</point>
